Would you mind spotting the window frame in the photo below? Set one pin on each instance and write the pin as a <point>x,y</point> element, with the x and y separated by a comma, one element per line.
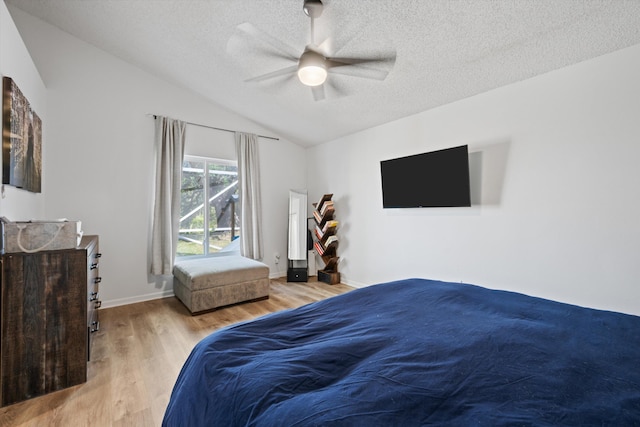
<point>207,161</point>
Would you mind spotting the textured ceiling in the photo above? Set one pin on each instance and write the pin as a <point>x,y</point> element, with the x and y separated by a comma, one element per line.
<point>446,50</point>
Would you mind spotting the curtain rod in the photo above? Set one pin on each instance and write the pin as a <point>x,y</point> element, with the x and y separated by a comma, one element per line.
<point>215,128</point>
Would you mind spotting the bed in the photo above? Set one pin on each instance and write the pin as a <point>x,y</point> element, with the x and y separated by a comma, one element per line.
<point>416,352</point>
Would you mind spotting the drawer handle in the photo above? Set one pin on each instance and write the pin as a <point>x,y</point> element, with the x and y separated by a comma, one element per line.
<point>98,255</point>
<point>97,280</point>
<point>97,304</point>
<point>93,297</point>
<point>93,266</point>
<point>95,326</point>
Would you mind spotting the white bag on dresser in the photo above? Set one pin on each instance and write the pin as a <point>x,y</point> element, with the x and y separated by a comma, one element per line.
<point>35,236</point>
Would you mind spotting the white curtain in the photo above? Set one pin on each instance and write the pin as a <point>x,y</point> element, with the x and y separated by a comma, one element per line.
<point>250,201</point>
<point>169,139</point>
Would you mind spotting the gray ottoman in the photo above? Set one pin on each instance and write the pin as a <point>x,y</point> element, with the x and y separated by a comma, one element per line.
<point>205,284</point>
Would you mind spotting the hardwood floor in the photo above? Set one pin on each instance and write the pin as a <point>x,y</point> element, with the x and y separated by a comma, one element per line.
<point>137,355</point>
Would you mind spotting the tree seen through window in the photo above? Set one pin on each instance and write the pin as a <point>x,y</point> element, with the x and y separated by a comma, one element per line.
<point>209,208</point>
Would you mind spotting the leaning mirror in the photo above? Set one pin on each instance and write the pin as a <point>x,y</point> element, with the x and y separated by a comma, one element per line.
<point>297,225</point>
<point>297,242</point>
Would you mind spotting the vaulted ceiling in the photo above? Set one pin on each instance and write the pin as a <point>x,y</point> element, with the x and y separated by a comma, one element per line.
<point>445,50</point>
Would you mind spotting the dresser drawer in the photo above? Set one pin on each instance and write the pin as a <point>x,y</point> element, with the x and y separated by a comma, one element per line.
<point>93,290</point>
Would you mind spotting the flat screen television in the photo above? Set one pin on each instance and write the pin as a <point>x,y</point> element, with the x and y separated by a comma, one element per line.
<point>434,179</point>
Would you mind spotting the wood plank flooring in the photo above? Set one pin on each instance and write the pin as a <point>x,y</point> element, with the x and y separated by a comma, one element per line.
<point>137,355</point>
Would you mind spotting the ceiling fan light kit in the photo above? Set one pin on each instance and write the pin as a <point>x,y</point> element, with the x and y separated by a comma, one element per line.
<point>312,68</point>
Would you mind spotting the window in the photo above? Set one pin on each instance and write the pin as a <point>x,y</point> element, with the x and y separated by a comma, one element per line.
<point>209,208</point>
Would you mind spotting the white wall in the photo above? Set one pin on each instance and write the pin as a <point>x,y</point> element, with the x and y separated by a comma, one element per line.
<point>555,178</point>
<point>15,62</point>
<point>553,161</point>
<point>100,154</point>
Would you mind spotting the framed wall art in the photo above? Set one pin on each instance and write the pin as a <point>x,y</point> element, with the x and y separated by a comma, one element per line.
<point>21,140</point>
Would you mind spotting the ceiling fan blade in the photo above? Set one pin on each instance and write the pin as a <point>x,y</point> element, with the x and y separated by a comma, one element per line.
<point>318,93</point>
<point>365,73</point>
<point>330,89</point>
<point>348,35</point>
<point>281,72</point>
<point>339,62</point>
<point>325,46</point>
<point>362,72</point>
<point>280,46</point>
<point>362,67</point>
<point>334,89</point>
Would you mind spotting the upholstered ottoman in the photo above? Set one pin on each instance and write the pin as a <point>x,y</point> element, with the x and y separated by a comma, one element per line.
<point>204,284</point>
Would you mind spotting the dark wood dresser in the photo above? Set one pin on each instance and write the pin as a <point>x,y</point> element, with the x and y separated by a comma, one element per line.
<point>48,311</point>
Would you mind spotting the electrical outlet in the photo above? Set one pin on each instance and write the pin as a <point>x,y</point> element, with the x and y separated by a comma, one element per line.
<point>276,257</point>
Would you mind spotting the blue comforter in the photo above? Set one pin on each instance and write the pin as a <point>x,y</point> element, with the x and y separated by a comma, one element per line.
<point>416,352</point>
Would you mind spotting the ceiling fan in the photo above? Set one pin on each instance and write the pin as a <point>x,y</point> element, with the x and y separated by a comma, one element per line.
<point>315,63</point>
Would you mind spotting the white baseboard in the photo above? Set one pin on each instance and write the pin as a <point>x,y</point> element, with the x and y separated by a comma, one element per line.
<point>277,274</point>
<point>137,298</point>
<point>169,292</point>
<point>353,283</point>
